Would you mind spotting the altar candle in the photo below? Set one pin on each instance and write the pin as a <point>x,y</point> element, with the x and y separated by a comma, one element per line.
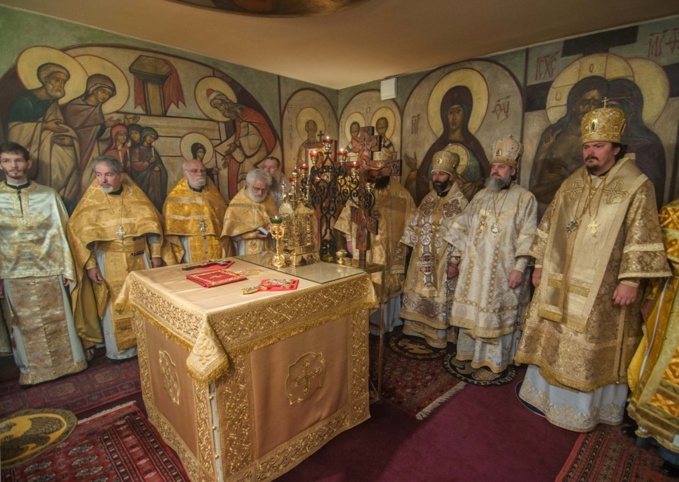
<point>313,154</point>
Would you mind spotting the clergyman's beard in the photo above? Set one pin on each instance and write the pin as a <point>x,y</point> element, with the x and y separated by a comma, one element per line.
<point>442,187</point>
<point>198,183</point>
<point>107,189</point>
<point>591,169</point>
<point>494,184</point>
<point>382,182</point>
<point>256,198</point>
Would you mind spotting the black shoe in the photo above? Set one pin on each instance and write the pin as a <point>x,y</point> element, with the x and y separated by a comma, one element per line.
<point>670,470</point>
<point>629,431</point>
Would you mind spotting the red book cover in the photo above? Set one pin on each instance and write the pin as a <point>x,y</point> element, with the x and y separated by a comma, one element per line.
<point>279,284</point>
<point>213,278</point>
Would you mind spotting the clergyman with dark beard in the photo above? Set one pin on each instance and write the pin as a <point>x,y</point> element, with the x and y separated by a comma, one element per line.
<point>428,292</point>
<point>394,206</point>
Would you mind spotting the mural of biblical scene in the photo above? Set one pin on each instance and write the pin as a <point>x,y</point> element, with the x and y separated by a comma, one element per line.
<point>386,122</point>
<point>359,133</point>
<point>467,105</point>
<point>639,87</point>
<point>149,110</point>
<point>306,116</point>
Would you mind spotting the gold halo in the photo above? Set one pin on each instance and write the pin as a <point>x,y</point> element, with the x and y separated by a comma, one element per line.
<point>391,119</point>
<point>475,82</point>
<point>33,57</point>
<point>654,85</point>
<point>461,151</point>
<point>97,65</point>
<point>309,113</point>
<point>353,117</point>
<point>189,139</point>
<point>609,66</point>
<point>214,83</point>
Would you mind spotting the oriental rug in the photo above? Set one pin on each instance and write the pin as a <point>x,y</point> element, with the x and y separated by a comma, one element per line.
<point>28,433</point>
<point>413,377</point>
<point>607,455</point>
<point>115,445</point>
<point>99,386</point>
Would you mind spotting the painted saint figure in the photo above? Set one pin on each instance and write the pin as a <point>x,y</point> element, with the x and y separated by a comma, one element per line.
<point>456,108</point>
<point>147,169</point>
<point>36,122</point>
<point>559,152</point>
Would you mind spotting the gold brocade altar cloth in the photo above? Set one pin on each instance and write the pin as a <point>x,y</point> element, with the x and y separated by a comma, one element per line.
<point>245,387</point>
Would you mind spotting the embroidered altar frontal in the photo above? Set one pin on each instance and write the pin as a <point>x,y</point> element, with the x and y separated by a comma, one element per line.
<point>245,387</point>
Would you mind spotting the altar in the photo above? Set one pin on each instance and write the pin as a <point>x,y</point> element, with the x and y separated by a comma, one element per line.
<point>246,386</point>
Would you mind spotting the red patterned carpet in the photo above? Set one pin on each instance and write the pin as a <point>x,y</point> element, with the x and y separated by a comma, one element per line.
<point>414,377</point>
<point>117,445</point>
<point>606,455</point>
<point>102,385</point>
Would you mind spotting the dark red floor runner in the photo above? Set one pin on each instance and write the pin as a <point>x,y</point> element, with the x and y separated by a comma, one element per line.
<point>101,385</point>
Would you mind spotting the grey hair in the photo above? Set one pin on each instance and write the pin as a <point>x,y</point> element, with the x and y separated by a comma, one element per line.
<point>115,165</point>
<point>258,174</point>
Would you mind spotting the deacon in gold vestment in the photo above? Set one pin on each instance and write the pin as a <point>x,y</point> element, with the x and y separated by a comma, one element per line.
<point>395,207</point>
<point>654,371</point>
<point>492,239</point>
<point>35,267</point>
<point>428,292</point>
<point>598,240</point>
<point>193,213</point>
<point>247,218</point>
<point>114,230</point>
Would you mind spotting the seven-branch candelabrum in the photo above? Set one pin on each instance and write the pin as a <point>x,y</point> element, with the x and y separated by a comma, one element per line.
<point>326,185</point>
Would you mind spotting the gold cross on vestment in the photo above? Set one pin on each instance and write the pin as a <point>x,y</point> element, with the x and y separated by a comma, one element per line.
<point>593,226</point>
<point>120,233</point>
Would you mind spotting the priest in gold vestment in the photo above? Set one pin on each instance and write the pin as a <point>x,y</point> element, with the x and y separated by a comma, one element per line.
<point>193,214</point>
<point>492,240</point>
<point>428,292</point>
<point>654,371</point>
<point>35,267</point>
<point>599,239</point>
<point>247,218</point>
<point>114,230</point>
<point>394,207</point>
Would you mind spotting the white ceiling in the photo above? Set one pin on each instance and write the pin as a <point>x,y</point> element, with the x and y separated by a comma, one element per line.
<point>374,40</point>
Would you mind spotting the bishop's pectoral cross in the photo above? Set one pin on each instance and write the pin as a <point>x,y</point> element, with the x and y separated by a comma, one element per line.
<point>120,232</point>
<point>366,224</point>
<point>203,230</point>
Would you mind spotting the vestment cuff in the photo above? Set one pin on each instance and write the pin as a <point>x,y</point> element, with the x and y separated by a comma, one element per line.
<point>155,250</point>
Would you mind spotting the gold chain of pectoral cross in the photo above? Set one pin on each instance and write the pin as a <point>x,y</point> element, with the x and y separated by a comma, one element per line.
<point>593,225</point>
<point>120,232</point>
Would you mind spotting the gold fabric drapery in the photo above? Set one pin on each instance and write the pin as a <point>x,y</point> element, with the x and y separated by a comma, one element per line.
<point>277,373</point>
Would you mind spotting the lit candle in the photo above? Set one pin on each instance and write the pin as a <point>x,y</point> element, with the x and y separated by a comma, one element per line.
<point>276,219</point>
<point>304,167</point>
<point>342,152</point>
<point>327,139</point>
<point>313,154</point>
<point>355,165</point>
